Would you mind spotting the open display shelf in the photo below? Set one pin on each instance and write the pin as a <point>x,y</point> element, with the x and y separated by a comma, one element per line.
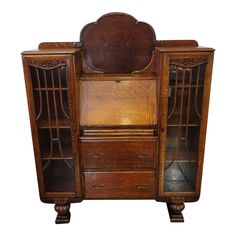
<point>118,115</point>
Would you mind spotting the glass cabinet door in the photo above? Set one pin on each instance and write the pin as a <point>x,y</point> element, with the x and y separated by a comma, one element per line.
<point>186,79</point>
<point>51,98</point>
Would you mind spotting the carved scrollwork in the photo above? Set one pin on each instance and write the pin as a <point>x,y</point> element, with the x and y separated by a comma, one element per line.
<point>47,64</point>
<point>62,208</point>
<point>176,205</point>
<point>188,62</point>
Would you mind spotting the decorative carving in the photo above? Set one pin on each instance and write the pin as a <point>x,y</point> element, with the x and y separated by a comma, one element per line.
<point>188,62</point>
<point>62,207</point>
<point>47,64</point>
<point>177,205</point>
<point>175,208</point>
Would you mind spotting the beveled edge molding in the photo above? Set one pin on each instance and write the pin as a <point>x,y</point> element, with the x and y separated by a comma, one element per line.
<point>188,62</point>
<point>47,64</point>
<point>58,45</point>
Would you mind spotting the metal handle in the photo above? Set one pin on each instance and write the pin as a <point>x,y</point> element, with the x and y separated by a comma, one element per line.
<point>141,156</point>
<point>98,186</point>
<point>96,156</point>
<point>141,187</point>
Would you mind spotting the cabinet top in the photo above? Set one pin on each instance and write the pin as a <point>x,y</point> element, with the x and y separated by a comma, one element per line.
<point>51,51</point>
<point>117,43</point>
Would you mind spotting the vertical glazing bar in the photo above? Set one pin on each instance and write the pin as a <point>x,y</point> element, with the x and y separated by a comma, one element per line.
<point>181,103</point>
<point>61,98</point>
<point>176,85</point>
<point>49,120</point>
<point>187,116</point>
<point>180,120</point>
<point>196,93</point>
<point>40,95</point>
<point>56,119</point>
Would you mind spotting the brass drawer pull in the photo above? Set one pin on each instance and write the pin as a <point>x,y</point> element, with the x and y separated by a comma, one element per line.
<point>141,156</point>
<point>141,187</point>
<point>98,186</point>
<point>96,156</point>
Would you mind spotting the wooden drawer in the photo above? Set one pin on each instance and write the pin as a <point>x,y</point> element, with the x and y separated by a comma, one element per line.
<point>128,154</point>
<point>119,185</point>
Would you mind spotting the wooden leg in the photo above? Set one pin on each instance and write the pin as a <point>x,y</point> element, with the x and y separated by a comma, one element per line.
<point>62,208</point>
<point>175,208</point>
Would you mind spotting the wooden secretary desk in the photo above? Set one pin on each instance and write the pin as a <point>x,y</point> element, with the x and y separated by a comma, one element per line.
<point>118,115</point>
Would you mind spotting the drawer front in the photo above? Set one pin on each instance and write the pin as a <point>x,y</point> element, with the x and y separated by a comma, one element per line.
<point>119,185</point>
<point>118,154</point>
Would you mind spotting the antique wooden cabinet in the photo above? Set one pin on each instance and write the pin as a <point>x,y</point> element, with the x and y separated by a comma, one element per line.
<point>118,115</point>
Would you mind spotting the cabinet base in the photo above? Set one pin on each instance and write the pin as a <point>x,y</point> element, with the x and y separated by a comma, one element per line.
<point>62,207</point>
<point>175,208</point>
<point>175,217</point>
<point>62,219</point>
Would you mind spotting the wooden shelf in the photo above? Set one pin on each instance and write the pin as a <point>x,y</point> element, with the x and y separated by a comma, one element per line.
<point>186,86</point>
<point>50,89</point>
<point>182,156</point>
<point>56,155</point>
<point>117,76</point>
<point>62,123</point>
<point>117,132</point>
<point>174,121</point>
<point>183,125</point>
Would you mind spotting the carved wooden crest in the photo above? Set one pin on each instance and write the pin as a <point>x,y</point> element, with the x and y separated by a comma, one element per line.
<point>117,42</point>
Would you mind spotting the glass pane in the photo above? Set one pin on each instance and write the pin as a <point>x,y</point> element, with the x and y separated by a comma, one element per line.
<point>186,86</point>
<point>58,177</point>
<point>52,116</point>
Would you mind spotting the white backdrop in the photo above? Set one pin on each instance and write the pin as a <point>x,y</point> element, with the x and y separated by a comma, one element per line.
<point>23,25</point>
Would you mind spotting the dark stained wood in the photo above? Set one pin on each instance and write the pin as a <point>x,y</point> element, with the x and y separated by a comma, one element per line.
<point>57,45</point>
<point>62,207</point>
<point>117,43</point>
<point>118,115</point>
<point>175,208</point>
<point>177,43</point>
<point>124,185</point>
<point>123,154</point>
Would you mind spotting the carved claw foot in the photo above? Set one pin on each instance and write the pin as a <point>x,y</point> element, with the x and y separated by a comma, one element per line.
<point>62,208</point>
<point>175,208</point>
